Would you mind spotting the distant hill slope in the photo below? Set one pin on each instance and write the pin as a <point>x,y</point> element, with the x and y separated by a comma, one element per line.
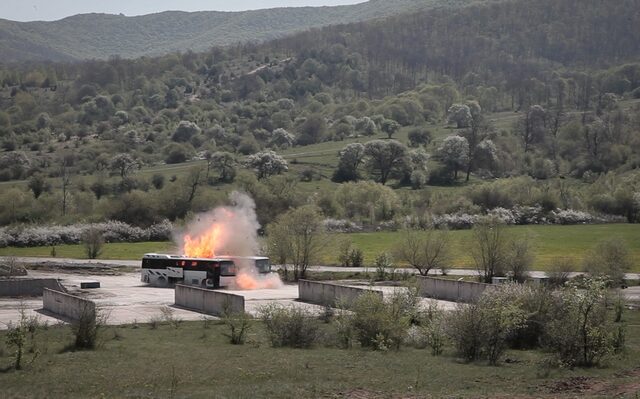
<point>99,36</point>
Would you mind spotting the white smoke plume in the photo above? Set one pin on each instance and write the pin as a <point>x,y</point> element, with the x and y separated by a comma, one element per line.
<point>230,231</point>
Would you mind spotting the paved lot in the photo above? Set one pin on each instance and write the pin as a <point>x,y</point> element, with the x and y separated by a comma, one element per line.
<point>127,300</point>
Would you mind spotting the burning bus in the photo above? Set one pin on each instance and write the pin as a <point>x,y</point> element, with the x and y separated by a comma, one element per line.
<point>217,249</point>
<point>162,270</point>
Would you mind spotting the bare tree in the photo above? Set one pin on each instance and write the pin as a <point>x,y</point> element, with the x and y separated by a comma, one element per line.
<point>194,180</point>
<point>65,176</point>
<point>520,257</point>
<point>279,245</point>
<point>424,250</point>
<point>489,248</point>
<point>302,234</point>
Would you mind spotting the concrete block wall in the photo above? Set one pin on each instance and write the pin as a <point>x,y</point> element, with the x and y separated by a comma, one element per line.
<point>208,301</point>
<point>67,306</point>
<point>329,293</point>
<point>451,290</point>
<point>18,287</point>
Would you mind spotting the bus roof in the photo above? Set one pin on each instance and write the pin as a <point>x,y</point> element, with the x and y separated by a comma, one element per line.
<point>218,258</point>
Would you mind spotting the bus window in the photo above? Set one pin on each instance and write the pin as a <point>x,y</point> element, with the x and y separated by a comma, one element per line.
<point>227,268</point>
<point>263,265</point>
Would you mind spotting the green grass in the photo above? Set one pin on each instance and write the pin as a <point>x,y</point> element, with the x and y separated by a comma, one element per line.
<point>549,242</point>
<point>115,251</point>
<point>196,362</point>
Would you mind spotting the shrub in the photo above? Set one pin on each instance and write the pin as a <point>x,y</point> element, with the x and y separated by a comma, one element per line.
<point>93,241</point>
<point>560,270</point>
<point>610,259</point>
<point>481,330</point>
<point>17,337</point>
<point>581,334</point>
<point>356,257</point>
<point>344,251</point>
<point>434,327</point>
<point>169,317</point>
<point>86,328</point>
<point>537,303</point>
<point>10,268</point>
<point>239,325</point>
<point>344,329</point>
<point>290,326</point>
<point>381,325</point>
<point>464,328</point>
<point>383,263</point>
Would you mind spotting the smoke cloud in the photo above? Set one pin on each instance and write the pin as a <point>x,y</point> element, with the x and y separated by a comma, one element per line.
<point>230,231</point>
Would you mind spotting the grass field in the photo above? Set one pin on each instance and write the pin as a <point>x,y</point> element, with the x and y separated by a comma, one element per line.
<point>549,242</point>
<point>197,362</point>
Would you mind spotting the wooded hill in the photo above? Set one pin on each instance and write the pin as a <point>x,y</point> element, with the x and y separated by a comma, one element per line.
<point>543,90</point>
<point>99,36</point>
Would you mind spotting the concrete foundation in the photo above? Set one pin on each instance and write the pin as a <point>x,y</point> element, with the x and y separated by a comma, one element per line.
<point>20,287</point>
<point>207,301</point>
<point>67,306</point>
<point>330,294</point>
<point>451,290</point>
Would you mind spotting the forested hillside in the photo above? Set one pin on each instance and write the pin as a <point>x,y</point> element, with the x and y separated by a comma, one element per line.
<point>529,109</point>
<point>99,36</point>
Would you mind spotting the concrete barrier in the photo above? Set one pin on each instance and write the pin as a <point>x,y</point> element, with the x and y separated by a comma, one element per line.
<point>67,306</point>
<point>330,294</point>
<point>18,287</point>
<point>208,301</point>
<point>452,290</point>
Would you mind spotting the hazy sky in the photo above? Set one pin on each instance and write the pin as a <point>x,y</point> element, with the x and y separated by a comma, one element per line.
<point>49,10</point>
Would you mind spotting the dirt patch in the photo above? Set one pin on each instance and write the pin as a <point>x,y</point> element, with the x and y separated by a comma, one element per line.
<point>630,385</point>
<point>359,394</point>
<point>572,385</point>
<point>95,269</point>
<point>621,385</point>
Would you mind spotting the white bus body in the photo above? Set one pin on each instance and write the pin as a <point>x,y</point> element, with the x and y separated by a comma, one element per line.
<point>162,270</point>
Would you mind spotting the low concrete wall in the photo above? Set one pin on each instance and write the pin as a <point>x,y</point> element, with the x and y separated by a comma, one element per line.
<point>329,293</point>
<point>28,286</point>
<point>451,290</point>
<point>67,306</point>
<point>208,301</point>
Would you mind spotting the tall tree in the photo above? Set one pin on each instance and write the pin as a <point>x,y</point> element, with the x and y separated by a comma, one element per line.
<point>385,157</point>
<point>454,153</point>
<point>351,157</point>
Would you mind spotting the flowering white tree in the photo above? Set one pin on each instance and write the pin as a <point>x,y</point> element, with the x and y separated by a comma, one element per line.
<point>460,114</point>
<point>282,138</point>
<point>266,163</point>
<point>454,153</point>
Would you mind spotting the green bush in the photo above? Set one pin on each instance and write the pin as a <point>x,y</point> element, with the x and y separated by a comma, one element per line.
<point>381,325</point>
<point>291,326</point>
<point>482,330</point>
<point>87,327</point>
<point>582,334</point>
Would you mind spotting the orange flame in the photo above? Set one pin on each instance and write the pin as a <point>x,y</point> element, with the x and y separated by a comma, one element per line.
<point>246,281</point>
<point>224,236</point>
<point>203,246</point>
